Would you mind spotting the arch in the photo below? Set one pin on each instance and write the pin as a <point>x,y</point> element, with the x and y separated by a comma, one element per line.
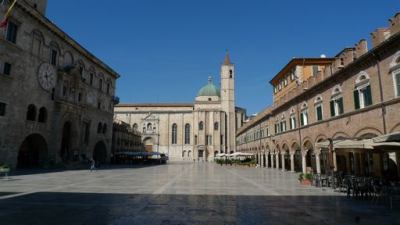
<point>216,126</point>
<point>68,59</point>
<point>189,153</point>
<point>367,131</point>
<point>100,153</point>
<point>340,135</point>
<point>42,115</point>
<point>362,77</point>
<point>306,141</point>
<point>32,152</point>
<point>65,152</point>
<point>396,60</point>
<point>336,90</point>
<point>135,127</point>
<point>174,133</point>
<point>320,137</point>
<point>395,128</point>
<point>201,125</point>
<point>292,111</point>
<point>104,128</point>
<point>310,156</point>
<point>149,126</point>
<point>31,113</point>
<point>187,133</point>
<point>304,105</point>
<point>99,127</point>
<point>183,153</point>
<point>294,146</point>
<point>318,99</point>
<point>148,143</point>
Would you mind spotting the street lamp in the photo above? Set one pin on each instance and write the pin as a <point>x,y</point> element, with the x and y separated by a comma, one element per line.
<point>330,158</point>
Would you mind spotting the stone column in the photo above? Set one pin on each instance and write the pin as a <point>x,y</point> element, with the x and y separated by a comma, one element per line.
<point>334,161</point>
<point>303,163</point>
<point>318,163</point>
<point>283,161</point>
<point>272,160</point>
<point>266,161</point>
<point>292,162</point>
<point>277,160</point>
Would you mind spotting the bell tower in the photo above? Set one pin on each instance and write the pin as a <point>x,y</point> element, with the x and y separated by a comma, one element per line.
<point>228,103</point>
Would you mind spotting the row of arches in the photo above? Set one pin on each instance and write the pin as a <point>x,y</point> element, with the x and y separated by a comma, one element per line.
<point>33,152</point>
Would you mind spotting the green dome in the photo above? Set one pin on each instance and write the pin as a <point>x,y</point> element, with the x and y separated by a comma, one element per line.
<point>209,90</point>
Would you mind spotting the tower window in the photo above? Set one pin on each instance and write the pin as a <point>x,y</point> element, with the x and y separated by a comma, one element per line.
<point>2,109</point>
<point>11,34</point>
<point>53,60</point>
<point>230,73</point>
<point>7,68</point>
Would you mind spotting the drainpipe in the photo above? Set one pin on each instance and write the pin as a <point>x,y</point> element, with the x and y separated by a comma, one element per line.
<point>381,92</point>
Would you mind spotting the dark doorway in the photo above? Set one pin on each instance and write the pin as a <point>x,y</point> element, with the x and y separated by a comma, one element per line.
<point>297,161</point>
<point>33,152</point>
<point>100,153</point>
<point>287,160</point>
<point>65,152</point>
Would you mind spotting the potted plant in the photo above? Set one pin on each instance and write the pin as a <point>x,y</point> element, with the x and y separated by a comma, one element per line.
<point>305,178</point>
<point>4,169</point>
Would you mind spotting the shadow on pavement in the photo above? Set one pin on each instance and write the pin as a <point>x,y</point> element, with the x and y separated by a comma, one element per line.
<point>120,209</point>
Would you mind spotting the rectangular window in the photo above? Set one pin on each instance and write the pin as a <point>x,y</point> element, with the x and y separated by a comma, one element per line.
<point>2,109</point>
<point>91,79</point>
<point>11,34</point>
<point>108,88</point>
<point>337,107</point>
<point>7,68</point>
<point>53,57</point>
<point>318,111</point>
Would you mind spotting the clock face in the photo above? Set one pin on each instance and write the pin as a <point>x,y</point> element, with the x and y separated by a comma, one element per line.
<point>47,76</point>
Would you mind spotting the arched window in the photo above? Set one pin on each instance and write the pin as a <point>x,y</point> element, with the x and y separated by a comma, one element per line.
<point>318,108</point>
<point>101,84</point>
<point>304,114</point>
<point>99,128</point>
<point>149,126</point>
<point>216,126</point>
<point>187,134</point>
<point>31,113</point>
<point>201,125</point>
<point>135,126</point>
<point>42,115</point>
<point>336,103</point>
<point>104,128</point>
<point>362,92</point>
<point>174,133</point>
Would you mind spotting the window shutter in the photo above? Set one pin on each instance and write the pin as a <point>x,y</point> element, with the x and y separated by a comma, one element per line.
<point>398,84</point>
<point>332,103</point>
<point>368,96</point>
<point>301,119</point>
<point>340,103</point>
<point>356,99</point>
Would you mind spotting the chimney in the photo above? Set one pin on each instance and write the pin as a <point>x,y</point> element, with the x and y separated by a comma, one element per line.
<point>394,23</point>
<point>379,35</point>
<point>361,48</point>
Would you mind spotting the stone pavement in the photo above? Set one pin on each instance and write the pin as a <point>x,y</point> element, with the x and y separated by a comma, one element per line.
<point>179,193</point>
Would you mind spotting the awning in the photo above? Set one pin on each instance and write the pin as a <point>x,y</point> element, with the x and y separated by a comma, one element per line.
<point>347,144</point>
<point>393,137</point>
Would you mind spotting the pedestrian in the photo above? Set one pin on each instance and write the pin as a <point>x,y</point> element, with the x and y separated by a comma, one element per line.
<point>92,165</point>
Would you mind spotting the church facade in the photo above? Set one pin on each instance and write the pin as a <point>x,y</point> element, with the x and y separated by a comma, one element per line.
<point>190,131</point>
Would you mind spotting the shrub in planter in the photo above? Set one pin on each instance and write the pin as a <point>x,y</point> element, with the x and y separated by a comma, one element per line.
<point>305,178</point>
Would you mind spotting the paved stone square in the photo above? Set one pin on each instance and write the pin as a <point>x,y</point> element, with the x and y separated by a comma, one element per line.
<point>179,193</point>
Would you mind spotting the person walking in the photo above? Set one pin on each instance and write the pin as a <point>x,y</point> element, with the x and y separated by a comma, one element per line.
<point>92,165</point>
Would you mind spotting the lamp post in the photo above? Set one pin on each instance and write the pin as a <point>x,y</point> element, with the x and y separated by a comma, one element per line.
<point>330,156</point>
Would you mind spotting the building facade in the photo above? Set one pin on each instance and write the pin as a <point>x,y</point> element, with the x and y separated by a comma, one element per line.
<point>56,98</point>
<point>125,139</point>
<point>194,131</point>
<point>345,108</point>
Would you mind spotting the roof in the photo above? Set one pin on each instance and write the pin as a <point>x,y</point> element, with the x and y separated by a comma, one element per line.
<point>155,105</point>
<point>209,90</point>
<point>300,61</point>
<point>254,120</point>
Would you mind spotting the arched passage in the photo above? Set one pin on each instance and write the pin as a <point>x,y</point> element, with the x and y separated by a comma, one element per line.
<point>310,157</point>
<point>285,150</point>
<point>65,152</point>
<point>33,152</point>
<point>148,144</point>
<point>100,153</point>
<point>297,157</point>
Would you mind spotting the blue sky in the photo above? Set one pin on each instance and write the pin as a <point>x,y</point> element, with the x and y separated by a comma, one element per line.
<point>166,49</point>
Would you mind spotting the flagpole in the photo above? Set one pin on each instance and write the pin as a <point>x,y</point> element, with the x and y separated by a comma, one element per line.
<point>4,22</point>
